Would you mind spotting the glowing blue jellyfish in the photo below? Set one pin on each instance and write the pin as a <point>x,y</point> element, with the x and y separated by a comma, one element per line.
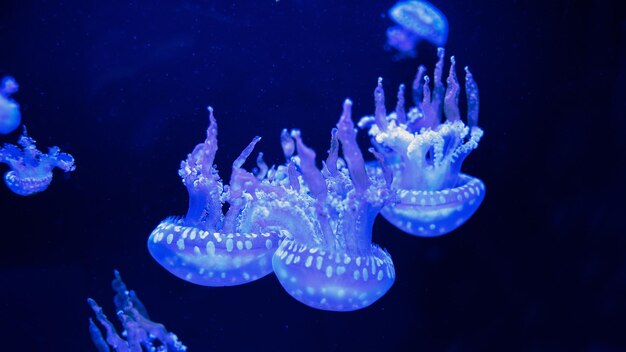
<point>416,20</point>
<point>9,109</point>
<point>141,333</point>
<point>329,261</point>
<point>31,170</point>
<point>426,154</point>
<point>207,247</point>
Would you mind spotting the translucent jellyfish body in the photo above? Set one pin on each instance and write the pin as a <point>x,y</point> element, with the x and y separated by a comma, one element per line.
<point>426,154</point>
<point>329,262</point>
<point>139,330</point>
<point>206,246</point>
<point>31,170</point>
<point>10,116</point>
<point>416,20</point>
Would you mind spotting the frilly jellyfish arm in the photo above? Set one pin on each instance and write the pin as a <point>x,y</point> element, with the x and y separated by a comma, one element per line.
<point>314,179</point>
<point>380,114</point>
<point>55,158</point>
<point>96,336</point>
<point>138,329</point>
<point>400,112</point>
<point>351,151</point>
<point>208,247</point>
<point>387,172</point>
<point>312,176</point>
<point>262,167</point>
<point>333,153</point>
<point>286,142</point>
<point>426,154</point>
<point>471,90</point>
<point>451,100</point>
<point>112,338</point>
<point>329,262</point>
<point>438,87</point>
<point>417,83</point>
<point>242,183</point>
<point>430,103</point>
<point>10,115</point>
<point>31,170</point>
<point>293,176</point>
<point>203,182</point>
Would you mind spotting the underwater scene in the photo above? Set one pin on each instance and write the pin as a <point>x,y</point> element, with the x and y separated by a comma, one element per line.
<point>292,175</point>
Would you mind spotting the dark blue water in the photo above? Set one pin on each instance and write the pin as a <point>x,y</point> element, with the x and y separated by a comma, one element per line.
<point>124,88</point>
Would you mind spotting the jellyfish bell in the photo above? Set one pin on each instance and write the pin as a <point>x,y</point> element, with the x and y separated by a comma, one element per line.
<point>8,86</point>
<point>10,116</point>
<point>423,19</point>
<point>402,40</point>
<point>416,20</point>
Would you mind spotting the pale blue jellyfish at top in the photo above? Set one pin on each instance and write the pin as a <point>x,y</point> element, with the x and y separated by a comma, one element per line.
<point>206,246</point>
<point>140,332</point>
<point>329,261</point>
<point>10,116</point>
<point>426,153</point>
<point>415,21</point>
<point>31,170</point>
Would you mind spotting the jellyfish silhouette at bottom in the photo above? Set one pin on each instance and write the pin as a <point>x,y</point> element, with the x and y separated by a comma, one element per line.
<point>426,154</point>
<point>329,262</point>
<point>10,115</point>
<point>141,333</point>
<point>207,247</point>
<point>31,170</point>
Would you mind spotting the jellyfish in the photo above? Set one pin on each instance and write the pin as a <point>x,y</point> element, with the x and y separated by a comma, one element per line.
<point>139,330</point>
<point>329,262</point>
<point>426,154</point>
<point>416,20</point>
<point>206,246</point>
<point>9,109</point>
<point>31,170</point>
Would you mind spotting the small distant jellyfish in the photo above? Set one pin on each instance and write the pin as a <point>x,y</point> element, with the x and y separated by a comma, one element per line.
<point>329,262</point>
<point>31,170</point>
<point>10,115</point>
<point>206,246</point>
<point>140,332</point>
<point>426,154</point>
<point>416,20</point>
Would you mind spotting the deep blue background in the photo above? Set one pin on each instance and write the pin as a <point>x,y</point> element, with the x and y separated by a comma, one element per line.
<point>123,87</point>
